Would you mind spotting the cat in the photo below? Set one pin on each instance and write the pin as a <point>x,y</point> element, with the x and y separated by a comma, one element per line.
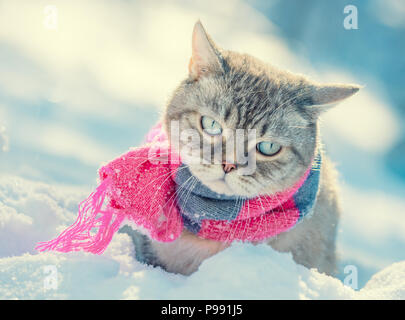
<point>229,90</point>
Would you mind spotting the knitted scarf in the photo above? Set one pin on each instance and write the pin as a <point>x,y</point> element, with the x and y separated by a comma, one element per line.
<point>148,186</point>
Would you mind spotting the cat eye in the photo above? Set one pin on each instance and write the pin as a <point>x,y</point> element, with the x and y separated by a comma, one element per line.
<point>268,148</point>
<point>211,126</point>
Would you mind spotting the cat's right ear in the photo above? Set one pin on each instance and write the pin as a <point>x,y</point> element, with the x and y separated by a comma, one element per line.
<point>205,56</point>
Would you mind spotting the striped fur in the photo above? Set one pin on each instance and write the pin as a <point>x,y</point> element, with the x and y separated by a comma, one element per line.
<point>242,92</point>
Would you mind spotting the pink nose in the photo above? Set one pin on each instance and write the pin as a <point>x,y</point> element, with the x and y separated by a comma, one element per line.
<point>228,167</point>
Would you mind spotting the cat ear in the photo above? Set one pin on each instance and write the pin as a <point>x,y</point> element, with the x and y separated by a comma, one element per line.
<point>333,93</point>
<point>205,56</point>
<point>325,96</point>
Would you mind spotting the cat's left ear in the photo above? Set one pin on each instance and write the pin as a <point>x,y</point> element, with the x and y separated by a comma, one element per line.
<point>205,56</point>
<point>325,96</point>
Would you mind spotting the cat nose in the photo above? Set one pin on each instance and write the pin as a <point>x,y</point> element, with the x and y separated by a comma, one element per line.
<point>228,167</point>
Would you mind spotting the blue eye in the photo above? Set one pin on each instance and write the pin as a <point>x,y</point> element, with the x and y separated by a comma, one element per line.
<point>211,126</point>
<point>268,148</point>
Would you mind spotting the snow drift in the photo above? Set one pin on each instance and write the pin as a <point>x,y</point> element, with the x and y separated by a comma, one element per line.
<point>32,211</point>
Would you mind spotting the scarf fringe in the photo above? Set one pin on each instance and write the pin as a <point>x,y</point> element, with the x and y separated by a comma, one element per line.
<point>91,216</point>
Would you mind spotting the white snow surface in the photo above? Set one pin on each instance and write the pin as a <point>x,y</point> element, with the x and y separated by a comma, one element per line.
<point>33,211</point>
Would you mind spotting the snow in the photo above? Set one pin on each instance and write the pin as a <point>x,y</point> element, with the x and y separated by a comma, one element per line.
<point>32,211</point>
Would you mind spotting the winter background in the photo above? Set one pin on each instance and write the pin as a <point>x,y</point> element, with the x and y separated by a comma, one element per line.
<point>79,95</point>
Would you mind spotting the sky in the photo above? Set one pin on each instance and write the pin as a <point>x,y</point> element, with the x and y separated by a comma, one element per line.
<point>80,87</point>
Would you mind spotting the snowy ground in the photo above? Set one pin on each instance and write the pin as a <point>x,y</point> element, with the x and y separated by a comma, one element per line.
<point>32,211</point>
<point>73,97</point>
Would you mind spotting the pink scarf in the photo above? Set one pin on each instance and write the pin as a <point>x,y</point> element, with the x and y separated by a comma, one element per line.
<point>137,187</point>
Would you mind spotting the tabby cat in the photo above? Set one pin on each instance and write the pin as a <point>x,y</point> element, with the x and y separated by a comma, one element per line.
<point>226,90</point>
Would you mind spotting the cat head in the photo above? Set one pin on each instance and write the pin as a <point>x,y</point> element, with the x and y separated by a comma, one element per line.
<point>228,92</point>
